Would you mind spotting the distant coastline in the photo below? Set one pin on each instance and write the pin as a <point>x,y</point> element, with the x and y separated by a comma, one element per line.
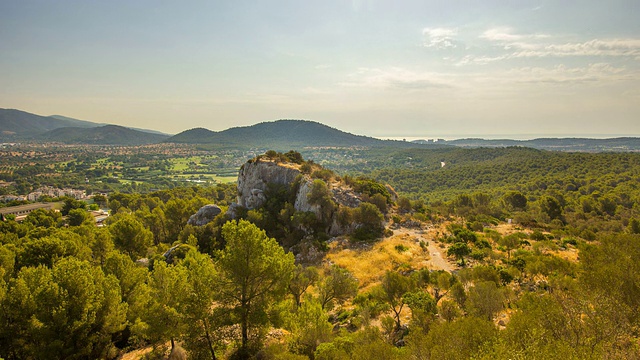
<point>505,136</point>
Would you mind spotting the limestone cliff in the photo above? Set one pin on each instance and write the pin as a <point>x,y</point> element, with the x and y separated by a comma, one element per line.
<point>256,175</point>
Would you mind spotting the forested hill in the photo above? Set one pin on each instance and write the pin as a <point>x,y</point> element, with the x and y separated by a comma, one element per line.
<point>16,124</point>
<point>283,135</point>
<point>103,135</point>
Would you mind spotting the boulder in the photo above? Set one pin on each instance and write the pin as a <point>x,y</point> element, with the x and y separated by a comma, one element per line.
<point>205,215</point>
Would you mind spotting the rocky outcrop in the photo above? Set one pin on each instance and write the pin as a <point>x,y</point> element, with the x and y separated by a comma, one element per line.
<point>345,196</point>
<point>205,215</point>
<point>254,177</point>
<point>302,198</point>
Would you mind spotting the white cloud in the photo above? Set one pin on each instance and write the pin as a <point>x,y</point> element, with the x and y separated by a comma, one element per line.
<point>539,45</point>
<point>508,44</point>
<point>398,78</point>
<point>597,73</point>
<point>440,38</point>
<point>596,47</point>
<point>506,34</point>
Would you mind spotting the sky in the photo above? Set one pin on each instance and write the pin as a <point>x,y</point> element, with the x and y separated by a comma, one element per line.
<point>370,67</point>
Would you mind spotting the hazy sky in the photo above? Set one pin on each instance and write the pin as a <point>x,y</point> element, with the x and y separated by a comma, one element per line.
<point>378,68</point>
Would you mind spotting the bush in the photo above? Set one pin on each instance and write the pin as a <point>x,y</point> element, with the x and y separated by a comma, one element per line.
<point>324,174</point>
<point>537,236</point>
<point>475,226</point>
<point>478,255</point>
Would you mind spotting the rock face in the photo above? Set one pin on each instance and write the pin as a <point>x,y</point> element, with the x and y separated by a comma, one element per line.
<point>205,215</point>
<point>255,176</point>
<point>302,198</point>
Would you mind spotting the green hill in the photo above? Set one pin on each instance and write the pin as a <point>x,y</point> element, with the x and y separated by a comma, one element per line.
<point>282,135</point>
<point>16,124</point>
<point>103,135</point>
<point>193,136</point>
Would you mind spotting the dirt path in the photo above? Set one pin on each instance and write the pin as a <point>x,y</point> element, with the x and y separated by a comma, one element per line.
<point>438,255</point>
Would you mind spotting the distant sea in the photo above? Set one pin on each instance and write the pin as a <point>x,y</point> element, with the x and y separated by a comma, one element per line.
<point>504,136</point>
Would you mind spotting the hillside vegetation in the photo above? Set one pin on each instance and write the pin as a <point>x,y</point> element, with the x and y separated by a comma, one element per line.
<point>282,135</point>
<point>101,135</point>
<point>498,254</point>
<point>16,124</point>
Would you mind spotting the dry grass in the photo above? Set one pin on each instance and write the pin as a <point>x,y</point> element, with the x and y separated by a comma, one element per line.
<point>368,264</point>
<point>136,354</point>
<point>570,254</point>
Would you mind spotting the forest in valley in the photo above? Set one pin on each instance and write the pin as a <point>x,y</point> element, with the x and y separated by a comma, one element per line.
<point>541,250</point>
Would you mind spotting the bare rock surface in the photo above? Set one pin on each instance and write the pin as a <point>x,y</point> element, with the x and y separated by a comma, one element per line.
<point>205,215</point>
<point>254,180</point>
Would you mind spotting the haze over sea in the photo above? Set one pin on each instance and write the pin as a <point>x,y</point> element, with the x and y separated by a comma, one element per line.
<point>449,137</point>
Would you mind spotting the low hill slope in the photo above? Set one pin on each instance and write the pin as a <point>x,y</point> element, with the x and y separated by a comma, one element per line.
<point>103,135</point>
<point>193,136</point>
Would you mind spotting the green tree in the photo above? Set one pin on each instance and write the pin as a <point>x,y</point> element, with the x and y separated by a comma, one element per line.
<point>77,217</point>
<point>514,200</point>
<point>550,206</point>
<point>43,218</point>
<point>395,286</point>
<point>100,199</point>
<point>441,281</point>
<point>102,245</point>
<point>485,300</point>
<point>48,250</point>
<point>198,305</point>
<point>303,278</point>
<point>177,213</point>
<point>449,310</point>
<point>163,314</point>
<point>404,204</point>
<point>70,204</point>
<point>320,195</point>
<point>460,339</point>
<point>337,286</point>
<point>133,283</point>
<point>380,202</point>
<point>634,226</point>
<point>310,327</point>
<point>254,271</point>
<point>130,236</point>
<point>510,242</point>
<point>369,222</point>
<point>69,311</point>
<point>459,250</point>
<point>423,307</point>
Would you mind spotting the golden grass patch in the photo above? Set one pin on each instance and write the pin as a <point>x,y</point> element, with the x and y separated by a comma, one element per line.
<point>369,263</point>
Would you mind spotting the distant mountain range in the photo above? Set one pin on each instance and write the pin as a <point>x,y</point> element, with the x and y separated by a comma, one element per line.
<point>102,135</point>
<point>281,135</point>
<point>16,125</point>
